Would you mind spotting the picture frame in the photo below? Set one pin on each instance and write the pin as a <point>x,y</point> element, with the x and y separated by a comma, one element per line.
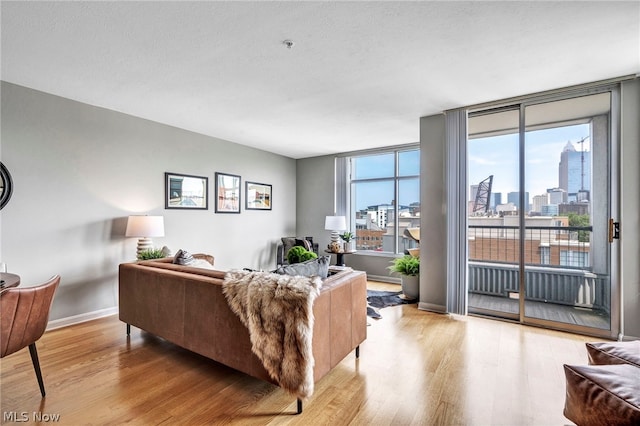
<point>228,193</point>
<point>257,196</point>
<point>187,192</point>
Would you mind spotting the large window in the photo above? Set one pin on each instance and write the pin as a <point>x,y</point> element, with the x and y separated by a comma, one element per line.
<point>385,199</point>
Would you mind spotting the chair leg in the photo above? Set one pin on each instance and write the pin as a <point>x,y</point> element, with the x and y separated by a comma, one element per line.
<point>36,367</point>
<point>299,406</point>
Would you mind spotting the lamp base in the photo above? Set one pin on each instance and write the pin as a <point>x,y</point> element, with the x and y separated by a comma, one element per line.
<point>335,236</point>
<point>144,244</point>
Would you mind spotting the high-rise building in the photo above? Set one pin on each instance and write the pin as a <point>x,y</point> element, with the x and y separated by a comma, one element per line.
<point>539,201</point>
<point>557,196</point>
<point>574,170</point>
<point>496,199</point>
<point>514,197</point>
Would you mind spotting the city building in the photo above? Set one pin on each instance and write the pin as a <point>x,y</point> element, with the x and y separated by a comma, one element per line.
<point>557,195</point>
<point>514,197</point>
<point>496,199</point>
<point>539,201</point>
<point>549,210</point>
<point>574,170</point>
<point>375,227</point>
<point>495,239</point>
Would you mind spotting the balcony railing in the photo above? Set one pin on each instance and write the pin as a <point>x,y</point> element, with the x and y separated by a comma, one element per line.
<point>562,286</point>
<point>566,246</point>
<point>557,265</point>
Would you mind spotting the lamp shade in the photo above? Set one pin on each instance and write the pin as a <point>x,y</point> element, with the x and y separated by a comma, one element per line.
<point>145,226</point>
<point>335,223</point>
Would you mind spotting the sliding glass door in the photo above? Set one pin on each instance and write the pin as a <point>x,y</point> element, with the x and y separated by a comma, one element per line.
<point>540,200</point>
<point>493,237</point>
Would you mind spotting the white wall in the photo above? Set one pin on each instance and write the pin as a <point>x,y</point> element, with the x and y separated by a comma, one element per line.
<point>79,171</point>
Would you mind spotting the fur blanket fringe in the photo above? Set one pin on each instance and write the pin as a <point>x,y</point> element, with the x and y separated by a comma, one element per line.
<point>278,312</point>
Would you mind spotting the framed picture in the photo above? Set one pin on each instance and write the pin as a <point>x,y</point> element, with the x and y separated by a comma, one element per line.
<point>227,193</point>
<point>186,191</point>
<point>258,196</point>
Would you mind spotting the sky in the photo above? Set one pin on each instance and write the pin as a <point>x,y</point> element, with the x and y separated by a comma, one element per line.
<point>380,166</point>
<point>498,156</point>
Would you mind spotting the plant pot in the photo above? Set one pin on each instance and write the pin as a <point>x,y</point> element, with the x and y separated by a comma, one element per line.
<point>349,246</point>
<point>411,286</point>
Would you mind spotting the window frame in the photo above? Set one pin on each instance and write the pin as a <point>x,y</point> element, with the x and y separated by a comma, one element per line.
<point>351,181</point>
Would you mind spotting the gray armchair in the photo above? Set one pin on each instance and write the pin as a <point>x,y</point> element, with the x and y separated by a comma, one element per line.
<point>288,242</point>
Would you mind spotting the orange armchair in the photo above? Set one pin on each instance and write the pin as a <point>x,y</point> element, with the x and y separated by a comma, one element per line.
<point>24,313</point>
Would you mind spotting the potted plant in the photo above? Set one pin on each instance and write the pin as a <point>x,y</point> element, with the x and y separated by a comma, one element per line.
<point>151,254</point>
<point>299,254</point>
<point>349,242</point>
<point>409,268</point>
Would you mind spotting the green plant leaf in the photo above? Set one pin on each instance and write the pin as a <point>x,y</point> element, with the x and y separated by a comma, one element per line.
<point>347,236</point>
<point>299,254</point>
<point>151,254</point>
<point>405,265</point>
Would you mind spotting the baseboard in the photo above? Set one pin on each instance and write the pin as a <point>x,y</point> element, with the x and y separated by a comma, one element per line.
<point>77,319</point>
<point>627,338</point>
<point>439,309</point>
<point>384,279</point>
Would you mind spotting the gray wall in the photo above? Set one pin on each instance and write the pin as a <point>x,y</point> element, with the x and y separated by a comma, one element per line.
<point>79,171</point>
<point>315,195</point>
<point>433,217</point>
<point>630,208</point>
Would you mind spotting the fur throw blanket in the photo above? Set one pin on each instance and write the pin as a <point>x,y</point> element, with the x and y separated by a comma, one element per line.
<point>278,311</point>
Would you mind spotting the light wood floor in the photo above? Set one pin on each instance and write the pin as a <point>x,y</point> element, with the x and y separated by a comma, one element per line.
<point>415,368</point>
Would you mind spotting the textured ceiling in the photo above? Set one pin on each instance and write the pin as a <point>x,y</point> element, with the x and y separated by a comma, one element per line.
<point>360,75</point>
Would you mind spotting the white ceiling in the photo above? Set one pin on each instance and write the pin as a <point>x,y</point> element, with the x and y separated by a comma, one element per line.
<point>360,75</point>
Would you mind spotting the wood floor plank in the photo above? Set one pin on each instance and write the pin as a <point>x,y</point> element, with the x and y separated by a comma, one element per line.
<point>415,368</point>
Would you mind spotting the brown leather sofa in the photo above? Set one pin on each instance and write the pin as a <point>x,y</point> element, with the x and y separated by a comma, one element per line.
<point>186,306</point>
<point>607,391</point>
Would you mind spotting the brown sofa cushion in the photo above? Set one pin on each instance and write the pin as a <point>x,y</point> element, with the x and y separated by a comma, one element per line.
<point>614,353</point>
<point>602,394</point>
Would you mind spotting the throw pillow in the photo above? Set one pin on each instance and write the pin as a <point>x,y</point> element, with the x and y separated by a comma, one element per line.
<point>314,267</point>
<point>289,242</point>
<point>183,257</point>
<point>201,263</point>
<point>303,243</point>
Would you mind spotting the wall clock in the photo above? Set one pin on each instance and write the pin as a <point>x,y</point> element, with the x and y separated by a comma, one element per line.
<point>6,186</point>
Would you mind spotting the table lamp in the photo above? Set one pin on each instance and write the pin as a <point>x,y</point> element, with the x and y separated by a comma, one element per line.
<point>145,227</point>
<point>335,224</point>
